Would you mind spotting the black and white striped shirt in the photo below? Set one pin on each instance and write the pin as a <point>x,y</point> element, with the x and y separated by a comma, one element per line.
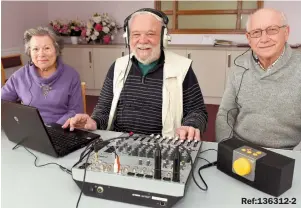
<point>139,109</point>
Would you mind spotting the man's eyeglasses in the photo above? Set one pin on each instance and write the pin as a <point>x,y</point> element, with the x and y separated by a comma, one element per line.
<point>272,30</point>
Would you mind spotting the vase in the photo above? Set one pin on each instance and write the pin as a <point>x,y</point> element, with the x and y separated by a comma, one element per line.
<point>74,40</point>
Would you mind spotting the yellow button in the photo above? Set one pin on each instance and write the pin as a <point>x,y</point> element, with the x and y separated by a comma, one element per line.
<point>255,154</point>
<point>249,152</point>
<point>243,150</point>
<point>242,166</point>
<point>258,152</point>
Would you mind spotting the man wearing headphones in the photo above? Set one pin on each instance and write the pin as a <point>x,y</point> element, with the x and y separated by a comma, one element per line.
<point>261,103</point>
<point>150,91</point>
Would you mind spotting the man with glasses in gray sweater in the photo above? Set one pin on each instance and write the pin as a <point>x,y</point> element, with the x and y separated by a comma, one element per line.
<point>262,100</point>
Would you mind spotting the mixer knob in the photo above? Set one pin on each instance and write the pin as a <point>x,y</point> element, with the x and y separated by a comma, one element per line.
<point>195,143</point>
<point>152,135</point>
<point>128,149</point>
<point>158,136</point>
<point>183,164</point>
<point>141,153</point>
<point>140,162</point>
<point>148,163</point>
<point>109,168</point>
<point>177,138</point>
<point>125,170</point>
<point>164,156</point>
<point>170,156</point>
<point>187,158</point>
<point>168,175</point>
<point>165,164</point>
<point>135,152</point>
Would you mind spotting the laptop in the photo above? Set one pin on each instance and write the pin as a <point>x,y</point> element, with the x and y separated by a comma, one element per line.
<point>23,125</point>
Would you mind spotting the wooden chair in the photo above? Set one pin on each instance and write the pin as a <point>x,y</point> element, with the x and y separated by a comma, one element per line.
<point>3,78</point>
<point>83,85</point>
<point>9,62</point>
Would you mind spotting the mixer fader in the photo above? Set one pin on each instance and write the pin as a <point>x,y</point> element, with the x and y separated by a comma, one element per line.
<point>147,170</point>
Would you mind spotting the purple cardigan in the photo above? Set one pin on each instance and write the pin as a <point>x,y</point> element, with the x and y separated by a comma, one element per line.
<point>63,101</point>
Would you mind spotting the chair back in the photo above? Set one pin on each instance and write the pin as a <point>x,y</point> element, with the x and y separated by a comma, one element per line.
<point>9,62</point>
<point>83,85</point>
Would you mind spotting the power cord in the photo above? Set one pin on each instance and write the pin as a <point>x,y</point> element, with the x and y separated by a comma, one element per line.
<point>204,167</point>
<point>208,150</point>
<point>36,158</point>
<point>84,179</point>
<point>210,164</point>
<point>204,159</point>
<point>193,166</point>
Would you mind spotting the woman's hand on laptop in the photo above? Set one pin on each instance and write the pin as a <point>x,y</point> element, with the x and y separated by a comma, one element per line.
<point>81,121</point>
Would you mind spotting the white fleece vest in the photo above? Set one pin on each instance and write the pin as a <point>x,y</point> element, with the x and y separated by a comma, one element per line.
<point>174,72</point>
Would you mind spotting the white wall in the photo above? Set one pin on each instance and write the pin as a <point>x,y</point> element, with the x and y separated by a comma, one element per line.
<point>292,9</point>
<point>16,17</point>
<point>119,10</point>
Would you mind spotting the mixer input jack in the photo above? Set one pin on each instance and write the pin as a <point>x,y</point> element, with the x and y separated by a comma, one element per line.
<point>99,189</point>
<point>162,204</point>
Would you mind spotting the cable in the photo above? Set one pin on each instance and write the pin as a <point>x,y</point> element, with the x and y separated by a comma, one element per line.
<point>193,166</point>
<point>236,97</point>
<point>204,159</point>
<point>203,167</point>
<point>84,179</point>
<point>126,69</point>
<point>31,97</point>
<point>193,177</point>
<point>88,155</point>
<point>207,150</point>
<point>36,158</point>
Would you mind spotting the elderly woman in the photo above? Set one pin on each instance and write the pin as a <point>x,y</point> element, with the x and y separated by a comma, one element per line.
<point>45,82</point>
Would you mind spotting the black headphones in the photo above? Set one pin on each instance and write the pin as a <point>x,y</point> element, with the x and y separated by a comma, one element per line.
<point>164,36</point>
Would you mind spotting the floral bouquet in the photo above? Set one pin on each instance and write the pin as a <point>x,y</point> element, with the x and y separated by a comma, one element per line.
<point>76,28</point>
<point>60,28</point>
<point>100,29</point>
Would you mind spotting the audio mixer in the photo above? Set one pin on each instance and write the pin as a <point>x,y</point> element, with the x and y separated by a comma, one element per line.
<point>147,170</point>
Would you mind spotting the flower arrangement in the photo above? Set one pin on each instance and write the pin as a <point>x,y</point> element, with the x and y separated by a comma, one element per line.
<point>60,27</point>
<point>67,28</point>
<point>100,29</point>
<point>76,28</point>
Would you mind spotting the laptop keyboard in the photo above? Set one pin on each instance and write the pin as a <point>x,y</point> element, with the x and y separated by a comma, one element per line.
<point>66,142</point>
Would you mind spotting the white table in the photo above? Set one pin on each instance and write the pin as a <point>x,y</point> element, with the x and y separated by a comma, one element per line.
<point>24,185</point>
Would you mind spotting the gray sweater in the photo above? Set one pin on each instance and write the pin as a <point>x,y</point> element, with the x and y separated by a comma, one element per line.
<point>268,107</point>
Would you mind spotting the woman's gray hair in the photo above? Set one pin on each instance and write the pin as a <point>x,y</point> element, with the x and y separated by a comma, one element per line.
<point>43,31</point>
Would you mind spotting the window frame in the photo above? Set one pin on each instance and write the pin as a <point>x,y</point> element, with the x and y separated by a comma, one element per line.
<point>175,12</point>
